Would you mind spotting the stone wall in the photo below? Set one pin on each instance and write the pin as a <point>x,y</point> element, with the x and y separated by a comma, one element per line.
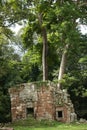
<point>45,108</point>
<point>43,101</point>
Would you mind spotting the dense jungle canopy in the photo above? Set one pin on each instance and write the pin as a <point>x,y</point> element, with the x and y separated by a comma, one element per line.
<point>50,46</point>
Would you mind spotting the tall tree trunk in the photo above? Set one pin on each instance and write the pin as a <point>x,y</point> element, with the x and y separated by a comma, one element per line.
<point>45,49</point>
<point>62,66</point>
<point>44,56</point>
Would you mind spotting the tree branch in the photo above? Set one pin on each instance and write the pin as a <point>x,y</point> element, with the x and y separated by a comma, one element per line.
<point>82,4</point>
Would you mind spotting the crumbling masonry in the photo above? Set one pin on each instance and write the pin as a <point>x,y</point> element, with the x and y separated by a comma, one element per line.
<point>42,101</point>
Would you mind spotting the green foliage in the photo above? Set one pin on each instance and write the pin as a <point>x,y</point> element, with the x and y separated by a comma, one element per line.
<point>67,80</point>
<point>31,65</point>
<point>9,75</point>
<point>5,115</point>
<point>31,122</point>
<point>83,60</point>
<point>28,36</point>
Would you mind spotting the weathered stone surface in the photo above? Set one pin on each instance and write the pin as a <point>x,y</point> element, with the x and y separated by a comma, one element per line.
<point>82,120</point>
<point>6,128</point>
<point>44,101</point>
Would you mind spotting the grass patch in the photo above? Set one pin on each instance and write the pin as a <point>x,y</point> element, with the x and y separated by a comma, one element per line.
<point>32,124</point>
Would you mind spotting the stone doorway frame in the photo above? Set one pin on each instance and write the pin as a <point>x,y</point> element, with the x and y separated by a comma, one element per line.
<point>29,111</point>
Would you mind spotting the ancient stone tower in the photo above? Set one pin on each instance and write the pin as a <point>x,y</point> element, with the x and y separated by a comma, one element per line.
<point>42,101</point>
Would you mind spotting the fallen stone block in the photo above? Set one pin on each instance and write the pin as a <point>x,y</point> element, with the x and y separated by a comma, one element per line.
<point>6,128</point>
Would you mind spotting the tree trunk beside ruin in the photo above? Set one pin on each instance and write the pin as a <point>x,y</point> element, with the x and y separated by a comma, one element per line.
<point>62,66</point>
<point>45,48</point>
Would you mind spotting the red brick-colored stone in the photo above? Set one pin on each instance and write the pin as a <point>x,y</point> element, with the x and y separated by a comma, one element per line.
<point>46,101</point>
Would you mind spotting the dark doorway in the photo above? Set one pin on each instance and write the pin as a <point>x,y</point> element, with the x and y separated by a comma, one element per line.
<point>60,114</point>
<point>30,111</point>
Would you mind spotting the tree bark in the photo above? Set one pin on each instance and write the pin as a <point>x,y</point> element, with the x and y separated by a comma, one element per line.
<point>62,66</point>
<point>45,49</point>
<point>44,56</point>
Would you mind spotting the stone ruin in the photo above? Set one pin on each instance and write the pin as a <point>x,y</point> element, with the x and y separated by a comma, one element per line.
<point>41,100</point>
